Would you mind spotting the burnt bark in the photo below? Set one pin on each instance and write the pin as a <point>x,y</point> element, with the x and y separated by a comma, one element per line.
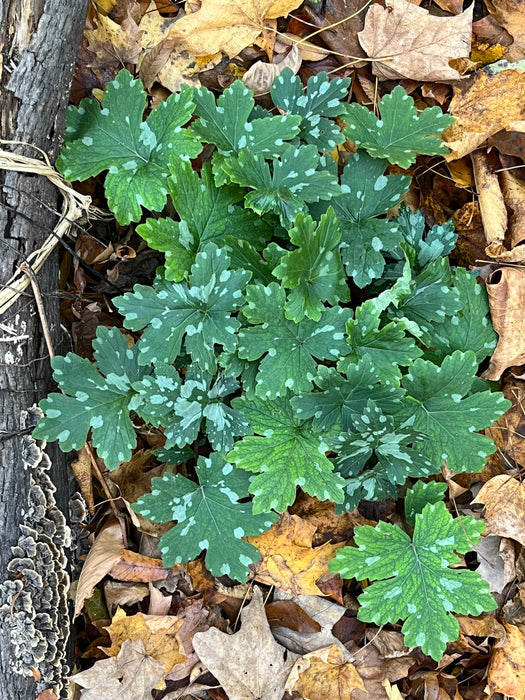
<point>38,42</point>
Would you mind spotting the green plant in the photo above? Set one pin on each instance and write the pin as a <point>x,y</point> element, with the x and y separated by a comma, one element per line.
<point>250,348</point>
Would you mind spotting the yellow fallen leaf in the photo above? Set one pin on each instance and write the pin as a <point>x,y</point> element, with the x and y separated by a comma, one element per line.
<point>324,674</point>
<point>509,15</point>
<point>229,25</point>
<point>114,44</point>
<point>288,560</point>
<point>506,672</point>
<point>490,104</point>
<point>158,633</point>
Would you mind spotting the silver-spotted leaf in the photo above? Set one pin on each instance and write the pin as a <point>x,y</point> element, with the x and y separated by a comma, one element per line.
<point>199,311</point>
<point>288,348</point>
<point>439,399</point>
<point>412,580</point>
<point>284,454</point>
<point>320,99</point>
<point>209,516</point>
<point>113,137</point>
<point>313,271</point>
<point>94,401</point>
<point>400,133</point>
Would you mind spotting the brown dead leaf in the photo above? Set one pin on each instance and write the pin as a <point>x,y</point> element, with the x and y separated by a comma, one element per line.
<point>136,567</point>
<point>504,500</point>
<point>329,527</point>
<point>497,562</point>
<point>420,45</point>
<point>491,204</point>
<point>131,675</point>
<point>249,663</point>
<point>105,552</point>
<point>490,104</point>
<point>123,593</point>
<point>158,633</point>
<point>514,194</point>
<point>508,432</point>
<point>260,76</point>
<point>470,247</point>
<point>288,560</point>
<point>383,658</point>
<point>324,674</point>
<point>506,293</point>
<point>343,20</point>
<point>81,468</point>
<point>484,626</point>
<point>228,25</point>
<point>286,613</point>
<point>114,44</point>
<point>509,14</point>
<point>506,672</point>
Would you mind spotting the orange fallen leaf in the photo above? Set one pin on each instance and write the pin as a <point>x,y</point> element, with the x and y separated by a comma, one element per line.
<point>490,104</point>
<point>418,45</point>
<point>504,499</point>
<point>506,294</point>
<point>228,25</point>
<point>137,567</point>
<point>158,633</point>
<point>288,560</point>
<point>324,674</point>
<point>105,552</point>
<point>506,673</point>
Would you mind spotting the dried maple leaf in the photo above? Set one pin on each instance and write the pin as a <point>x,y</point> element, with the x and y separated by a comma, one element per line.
<point>490,104</point>
<point>324,674</point>
<point>418,45</point>
<point>131,675</point>
<point>249,663</point>
<point>228,25</point>
<point>158,633</point>
<point>114,44</point>
<point>288,560</point>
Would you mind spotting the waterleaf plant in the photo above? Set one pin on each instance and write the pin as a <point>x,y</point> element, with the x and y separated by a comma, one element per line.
<point>251,352</point>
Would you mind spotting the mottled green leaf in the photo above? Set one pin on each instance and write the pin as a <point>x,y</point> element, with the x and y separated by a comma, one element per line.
<point>209,516</point>
<point>113,137</point>
<point>284,454</point>
<point>400,134</point>
<point>412,580</point>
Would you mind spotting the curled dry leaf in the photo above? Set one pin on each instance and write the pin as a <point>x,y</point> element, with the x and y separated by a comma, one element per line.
<point>506,672</point>
<point>497,563</point>
<point>490,104</point>
<point>504,500</point>
<point>107,549</point>
<point>123,593</point>
<point>260,76</point>
<point>508,432</point>
<point>288,560</point>
<point>324,674</point>
<point>228,25</point>
<point>81,468</point>
<point>491,204</point>
<point>418,45</point>
<point>506,293</point>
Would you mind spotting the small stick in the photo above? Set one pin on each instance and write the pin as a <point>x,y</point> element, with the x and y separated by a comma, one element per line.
<point>28,270</point>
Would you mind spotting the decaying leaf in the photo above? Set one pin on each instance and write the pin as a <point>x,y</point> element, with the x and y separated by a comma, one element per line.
<point>508,432</point>
<point>418,45</point>
<point>105,552</point>
<point>509,14</point>
<point>506,672</point>
<point>504,499</point>
<point>228,25</point>
<point>249,663</point>
<point>489,105</point>
<point>158,633</point>
<point>324,674</point>
<point>114,44</point>
<point>131,675</point>
<point>288,560</point>
<point>506,292</point>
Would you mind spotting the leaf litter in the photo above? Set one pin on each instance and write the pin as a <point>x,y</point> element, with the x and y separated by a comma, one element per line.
<point>212,43</point>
